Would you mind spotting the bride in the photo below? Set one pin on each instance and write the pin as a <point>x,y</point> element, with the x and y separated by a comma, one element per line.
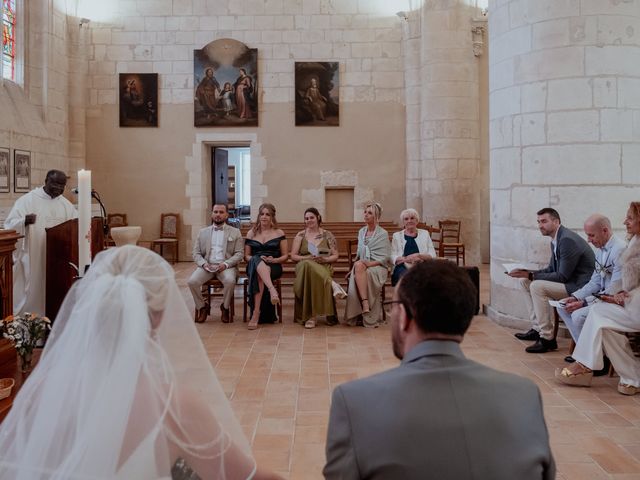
<point>124,388</point>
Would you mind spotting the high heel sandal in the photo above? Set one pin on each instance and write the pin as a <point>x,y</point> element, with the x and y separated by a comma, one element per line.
<point>252,326</point>
<point>365,310</point>
<point>273,293</point>
<point>576,379</point>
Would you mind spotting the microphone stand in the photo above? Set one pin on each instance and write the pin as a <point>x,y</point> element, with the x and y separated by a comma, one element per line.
<point>103,210</point>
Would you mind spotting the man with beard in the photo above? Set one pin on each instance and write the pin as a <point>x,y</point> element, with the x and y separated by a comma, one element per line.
<point>437,415</point>
<point>570,268</point>
<point>217,251</point>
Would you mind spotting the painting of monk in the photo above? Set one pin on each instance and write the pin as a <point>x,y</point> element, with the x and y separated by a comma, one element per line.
<point>317,94</point>
<point>225,83</point>
<point>138,99</point>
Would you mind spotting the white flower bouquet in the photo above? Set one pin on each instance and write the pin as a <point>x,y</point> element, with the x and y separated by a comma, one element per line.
<point>24,331</point>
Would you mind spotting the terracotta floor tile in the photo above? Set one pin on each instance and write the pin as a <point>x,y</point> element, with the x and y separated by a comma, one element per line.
<point>279,379</point>
<point>581,471</point>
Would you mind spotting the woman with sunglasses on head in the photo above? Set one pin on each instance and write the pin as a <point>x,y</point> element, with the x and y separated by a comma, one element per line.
<point>369,272</point>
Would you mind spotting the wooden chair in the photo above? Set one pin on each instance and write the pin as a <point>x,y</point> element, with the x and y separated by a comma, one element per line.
<point>434,233</point>
<point>352,252</point>
<point>449,244</point>
<point>115,220</point>
<point>245,293</point>
<point>214,288</point>
<point>169,234</point>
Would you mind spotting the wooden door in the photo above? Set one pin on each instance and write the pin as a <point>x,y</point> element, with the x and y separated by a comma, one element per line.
<point>220,180</point>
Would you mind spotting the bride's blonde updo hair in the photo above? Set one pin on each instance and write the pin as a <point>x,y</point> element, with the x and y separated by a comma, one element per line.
<point>138,264</point>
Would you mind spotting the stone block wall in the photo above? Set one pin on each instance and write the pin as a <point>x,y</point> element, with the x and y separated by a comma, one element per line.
<point>292,162</point>
<point>564,124</point>
<point>46,110</point>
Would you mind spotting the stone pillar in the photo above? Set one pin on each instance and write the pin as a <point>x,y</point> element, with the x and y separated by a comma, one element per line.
<point>564,125</point>
<point>449,121</point>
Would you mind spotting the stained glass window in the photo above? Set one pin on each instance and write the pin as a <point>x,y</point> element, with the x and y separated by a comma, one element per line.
<point>8,39</point>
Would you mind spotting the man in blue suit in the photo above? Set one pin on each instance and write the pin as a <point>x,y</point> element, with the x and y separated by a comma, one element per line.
<point>438,415</point>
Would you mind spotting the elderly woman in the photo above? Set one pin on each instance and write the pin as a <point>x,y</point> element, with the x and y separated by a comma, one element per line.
<point>369,272</point>
<point>315,249</point>
<point>265,250</point>
<point>409,246</point>
<point>607,321</point>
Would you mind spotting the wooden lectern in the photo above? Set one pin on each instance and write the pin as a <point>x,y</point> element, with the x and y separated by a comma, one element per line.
<point>62,250</point>
<point>8,365</point>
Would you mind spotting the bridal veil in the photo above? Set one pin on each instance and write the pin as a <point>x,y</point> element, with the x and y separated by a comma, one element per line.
<point>124,388</point>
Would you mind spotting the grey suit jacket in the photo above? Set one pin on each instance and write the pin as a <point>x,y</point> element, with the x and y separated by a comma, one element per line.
<point>441,416</point>
<point>573,263</point>
<point>232,239</point>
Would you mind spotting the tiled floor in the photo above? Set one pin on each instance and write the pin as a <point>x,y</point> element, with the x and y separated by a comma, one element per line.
<point>280,377</point>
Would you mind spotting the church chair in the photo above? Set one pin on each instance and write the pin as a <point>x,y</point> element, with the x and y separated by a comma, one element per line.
<point>169,234</point>
<point>352,252</point>
<point>450,245</point>
<point>434,233</point>
<point>214,288</point>
<point>115,220</point>
<point>245,294</point>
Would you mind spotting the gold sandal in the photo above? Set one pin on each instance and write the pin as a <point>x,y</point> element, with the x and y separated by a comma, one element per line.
<point>626,389</point>
<point>362,305</point>
<point>576,379</point>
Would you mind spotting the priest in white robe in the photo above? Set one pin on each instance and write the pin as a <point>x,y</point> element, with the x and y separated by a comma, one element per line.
<point>43,207</point>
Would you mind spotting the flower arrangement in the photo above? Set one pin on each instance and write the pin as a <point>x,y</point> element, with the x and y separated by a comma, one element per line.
<point>24,331</point>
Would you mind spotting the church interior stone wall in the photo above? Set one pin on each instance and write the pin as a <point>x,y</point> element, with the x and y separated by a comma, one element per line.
<point>543,111</point>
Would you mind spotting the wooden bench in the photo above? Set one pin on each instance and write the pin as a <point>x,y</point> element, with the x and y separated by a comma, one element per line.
<point>342,231</point>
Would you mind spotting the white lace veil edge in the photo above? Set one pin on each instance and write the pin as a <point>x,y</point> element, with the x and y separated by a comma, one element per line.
<point>124,386</point>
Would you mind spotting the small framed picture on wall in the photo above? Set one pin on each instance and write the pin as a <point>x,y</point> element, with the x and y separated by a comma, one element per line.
<point>4,170</point>
<point>21,171</point>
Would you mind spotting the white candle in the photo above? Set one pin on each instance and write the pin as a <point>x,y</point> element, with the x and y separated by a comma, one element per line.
<point>84,220</point>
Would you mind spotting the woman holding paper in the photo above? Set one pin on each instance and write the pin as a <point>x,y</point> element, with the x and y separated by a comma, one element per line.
<point>409,246</point>
<point>315,249</point>
<point>369,271</point>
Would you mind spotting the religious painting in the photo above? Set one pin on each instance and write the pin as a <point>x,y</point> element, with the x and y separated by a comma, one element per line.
<point>225,74</point>
<point>21,171</point>
<point>4,170</point>
<point>138,99</point>
<point>317,94</point>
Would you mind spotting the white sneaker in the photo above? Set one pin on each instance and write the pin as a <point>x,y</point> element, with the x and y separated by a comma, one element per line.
<point>338,291</point>
<point>310,324</point>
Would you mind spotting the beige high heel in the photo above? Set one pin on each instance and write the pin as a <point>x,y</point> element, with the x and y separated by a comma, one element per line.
<point>365,310</point>
<point>275,299</point>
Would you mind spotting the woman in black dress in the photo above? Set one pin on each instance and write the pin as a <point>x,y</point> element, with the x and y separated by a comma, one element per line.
<point>265,250</point>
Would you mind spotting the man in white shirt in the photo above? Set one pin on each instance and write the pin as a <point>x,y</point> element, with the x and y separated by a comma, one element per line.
<point>606,277</point>
<point>217,251</point>
<point>41,208</point>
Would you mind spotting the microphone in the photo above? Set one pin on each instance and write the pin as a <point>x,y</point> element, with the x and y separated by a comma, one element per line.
<point>103,210</point>
<point>76,190</point>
